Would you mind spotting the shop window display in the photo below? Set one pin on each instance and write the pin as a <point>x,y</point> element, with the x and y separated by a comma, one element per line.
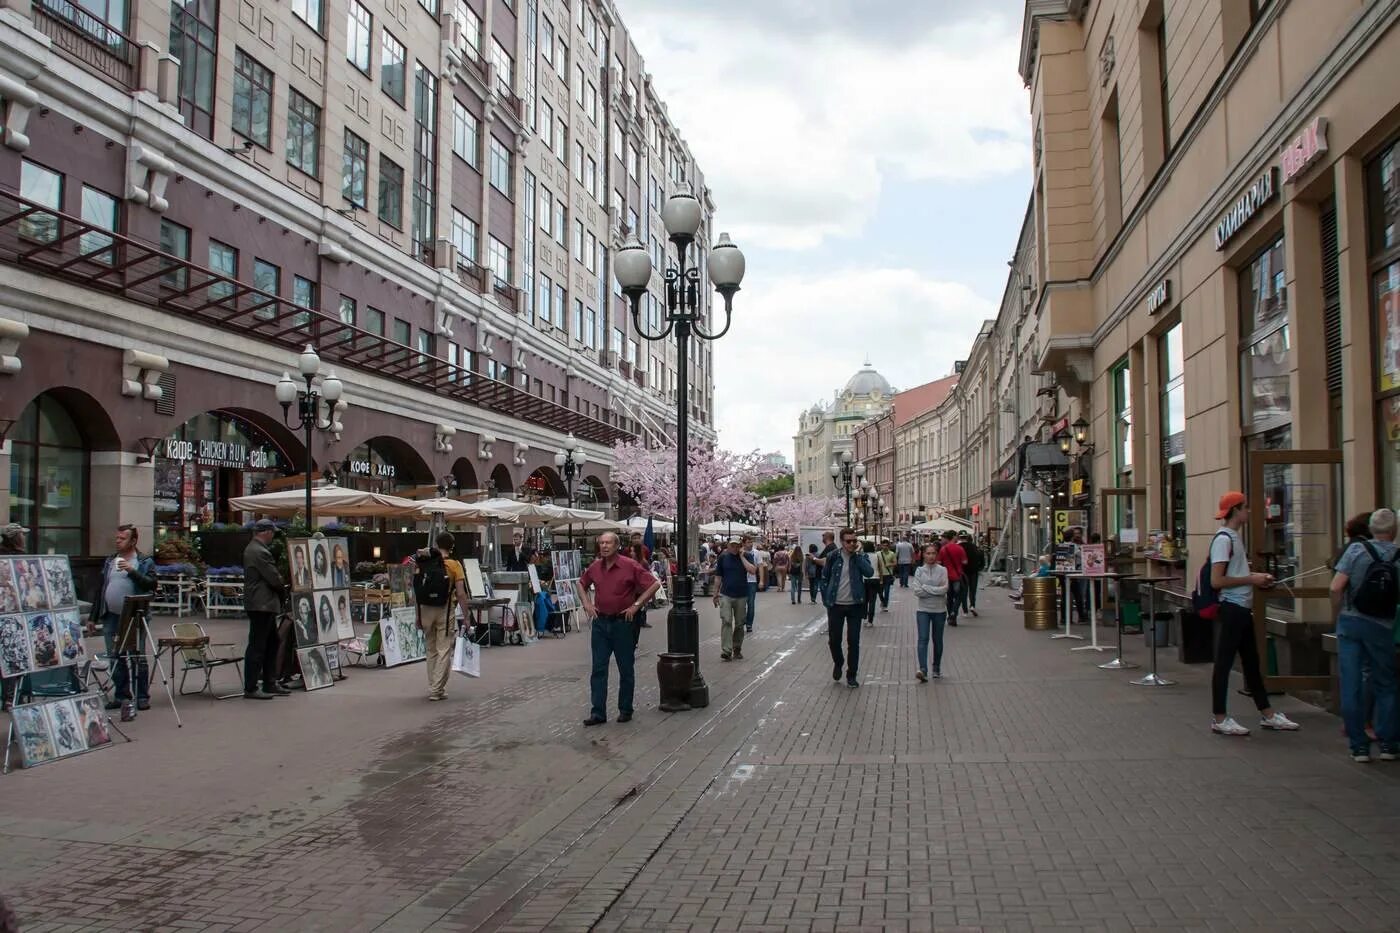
<point>49,477</point>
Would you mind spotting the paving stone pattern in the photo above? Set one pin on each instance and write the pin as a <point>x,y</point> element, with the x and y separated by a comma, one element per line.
<point>1027,790</point>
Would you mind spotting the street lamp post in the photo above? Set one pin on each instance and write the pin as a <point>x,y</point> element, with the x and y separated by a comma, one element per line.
<point>570,460</point>
<point>308,402</point>
<point>842,473</point>
<point>681,215</point>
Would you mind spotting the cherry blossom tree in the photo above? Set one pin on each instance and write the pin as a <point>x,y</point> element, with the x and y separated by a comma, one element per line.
<point>718,480</point>
<point>796,512</point>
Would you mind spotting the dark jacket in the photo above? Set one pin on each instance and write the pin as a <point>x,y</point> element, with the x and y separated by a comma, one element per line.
<point>837,564</point>
<point>143,578</point>
<point>262,581</point>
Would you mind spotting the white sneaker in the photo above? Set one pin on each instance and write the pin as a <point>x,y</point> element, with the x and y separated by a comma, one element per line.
<point>1362,758</point>
<point>1228,726</point>
<point>1279,722</point>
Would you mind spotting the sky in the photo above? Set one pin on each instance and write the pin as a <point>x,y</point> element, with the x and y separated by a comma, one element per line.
<point>872,160</point>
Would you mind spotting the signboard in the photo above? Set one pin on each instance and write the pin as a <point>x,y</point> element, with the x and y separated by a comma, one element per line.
<point>220,454</point>
<point>1076,487</point>
<point>1261,192</point>
<point>1160,296</point>
<point>375,470</point>
<point>1067,520</point>
<point>1304,149</point>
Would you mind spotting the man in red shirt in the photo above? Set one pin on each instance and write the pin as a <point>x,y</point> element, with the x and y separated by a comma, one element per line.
<point>620,588</point>
<point>953,557</point>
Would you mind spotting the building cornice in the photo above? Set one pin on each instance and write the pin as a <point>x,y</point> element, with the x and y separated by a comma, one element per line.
<point>1037,10</point>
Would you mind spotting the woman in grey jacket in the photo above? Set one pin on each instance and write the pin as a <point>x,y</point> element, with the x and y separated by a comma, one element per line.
<point>931,588</point>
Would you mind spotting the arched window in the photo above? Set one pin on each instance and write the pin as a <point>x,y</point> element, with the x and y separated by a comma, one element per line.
<point>49,478</point>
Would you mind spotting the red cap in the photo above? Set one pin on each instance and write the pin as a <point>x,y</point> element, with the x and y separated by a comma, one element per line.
<point>1228,502</point>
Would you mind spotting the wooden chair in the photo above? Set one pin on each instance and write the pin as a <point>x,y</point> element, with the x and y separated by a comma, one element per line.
<point>201,655</point>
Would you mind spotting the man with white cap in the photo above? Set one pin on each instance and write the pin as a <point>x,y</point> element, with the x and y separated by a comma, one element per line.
<point>12,539</point>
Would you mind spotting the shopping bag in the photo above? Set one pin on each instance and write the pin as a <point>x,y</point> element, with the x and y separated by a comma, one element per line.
<point>466,657</point>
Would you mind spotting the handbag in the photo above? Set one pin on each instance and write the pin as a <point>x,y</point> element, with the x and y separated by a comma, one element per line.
<point>466,657</point>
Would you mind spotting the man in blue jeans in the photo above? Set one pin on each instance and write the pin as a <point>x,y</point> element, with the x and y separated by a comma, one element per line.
<point>620,588</point>
<point>843,594</point>
<point>751,555</point>
<point>128,572</point>
<point>1365,637</point>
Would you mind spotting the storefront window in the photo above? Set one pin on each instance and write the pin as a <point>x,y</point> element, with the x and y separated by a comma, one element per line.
<point>1172,363</point>
<point>204,463</point>
<point>48,478</point>
<point>1265,343</point>
<point>1383,212</point>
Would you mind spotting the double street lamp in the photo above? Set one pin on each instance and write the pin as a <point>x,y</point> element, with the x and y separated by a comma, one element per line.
<point>682,215</point>
<point>570,461</point>
<point>309,410</point>
<point>843,471</point>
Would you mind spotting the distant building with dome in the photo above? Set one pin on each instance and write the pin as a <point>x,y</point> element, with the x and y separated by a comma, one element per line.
<point>827,428</point>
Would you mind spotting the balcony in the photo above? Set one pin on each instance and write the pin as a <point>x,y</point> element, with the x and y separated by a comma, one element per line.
<point>507,295</point>
<point>89,40</point>
<point>60,245</point>
<point>471,275</point>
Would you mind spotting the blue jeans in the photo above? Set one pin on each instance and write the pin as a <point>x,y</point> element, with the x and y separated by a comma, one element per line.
<point>931,623</point>
<point>613,636</point>
<point>904,570</point>
<point>1363,642</point>
<point>885,584</point>
<point>795,584</point>
<point>955,590</point>
<point>121,673</point>
<point>847,617</point>
<point>748,616</point>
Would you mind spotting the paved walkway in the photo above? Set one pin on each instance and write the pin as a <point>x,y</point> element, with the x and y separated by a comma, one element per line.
<point>1027,790</point>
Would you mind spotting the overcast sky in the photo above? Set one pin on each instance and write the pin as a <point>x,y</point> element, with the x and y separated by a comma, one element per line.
<point>872,159</point>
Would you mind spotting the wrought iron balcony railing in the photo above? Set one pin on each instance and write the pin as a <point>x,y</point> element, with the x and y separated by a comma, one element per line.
<point>90,40</point>
<point>52,243</point>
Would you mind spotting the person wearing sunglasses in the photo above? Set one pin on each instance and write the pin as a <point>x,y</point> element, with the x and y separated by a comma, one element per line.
<point>844,578</point>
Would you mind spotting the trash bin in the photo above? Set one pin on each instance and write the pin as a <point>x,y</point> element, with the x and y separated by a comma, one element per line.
<point>1038,596</point>
<point>1161,629</point>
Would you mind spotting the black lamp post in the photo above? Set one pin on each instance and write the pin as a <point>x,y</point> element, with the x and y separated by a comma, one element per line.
<point>842,473</point>
<point>682,215</point>
<point>308,402</point>
<point>570,460</point>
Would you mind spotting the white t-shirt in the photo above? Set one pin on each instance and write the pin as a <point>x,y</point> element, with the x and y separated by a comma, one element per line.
<point>752,557</point>
<point>1227,547</point>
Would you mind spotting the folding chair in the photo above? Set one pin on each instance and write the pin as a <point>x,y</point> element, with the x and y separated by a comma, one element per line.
<point>205,657</point>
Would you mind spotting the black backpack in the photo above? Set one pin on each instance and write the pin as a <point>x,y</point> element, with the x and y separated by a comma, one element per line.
<point>975,561</point>
<point>1205,599</point>
<point>431,585</point>
<point>1379,591</point>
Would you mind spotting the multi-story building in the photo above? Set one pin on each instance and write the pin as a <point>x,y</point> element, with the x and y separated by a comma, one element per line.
<point>918,464</point>
<point>429,194</point>
<point>873,445</point>
<point>826,430</point>
<point>1216,207</point>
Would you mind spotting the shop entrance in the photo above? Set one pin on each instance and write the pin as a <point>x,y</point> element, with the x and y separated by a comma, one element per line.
<point>1295,530</point>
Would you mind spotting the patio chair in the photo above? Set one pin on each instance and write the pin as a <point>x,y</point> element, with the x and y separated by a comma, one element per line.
<point>205,657</point>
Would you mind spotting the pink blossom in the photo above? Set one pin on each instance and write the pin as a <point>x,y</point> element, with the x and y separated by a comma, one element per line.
<point>718,480</point>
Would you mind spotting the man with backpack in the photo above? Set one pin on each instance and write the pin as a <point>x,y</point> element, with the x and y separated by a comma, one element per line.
<point>439,586</point>
<point>1365,593</point>
<point>1228,586</point>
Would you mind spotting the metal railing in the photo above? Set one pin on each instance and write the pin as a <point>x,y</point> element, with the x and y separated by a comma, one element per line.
<point>51,243</point>
<point>92,41</point>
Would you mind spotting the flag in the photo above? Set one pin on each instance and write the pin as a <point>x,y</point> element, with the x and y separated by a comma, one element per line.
<point>649,537</point>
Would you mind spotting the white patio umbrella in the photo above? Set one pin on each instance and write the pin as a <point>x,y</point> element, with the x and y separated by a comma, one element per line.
<point>455,511</point>
<point>596,526</point>
<point>658,526</point>
<point>943,523</point>
<point>725,528</point>
<point>326,500</point>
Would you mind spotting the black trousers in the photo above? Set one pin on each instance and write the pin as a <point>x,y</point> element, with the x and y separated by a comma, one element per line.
<point>845,617</point>
<point>1235,635</point>
<point>260,659</point>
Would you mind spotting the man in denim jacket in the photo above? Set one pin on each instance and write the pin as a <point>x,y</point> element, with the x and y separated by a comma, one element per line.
<point>128,572</point>
<point>843,594</point>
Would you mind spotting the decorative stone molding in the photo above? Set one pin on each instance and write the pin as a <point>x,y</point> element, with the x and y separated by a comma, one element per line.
<point>443,317</point>
<point>485,341</point>
<point>1107,59</point>
<point>12,334</point>
<point>337,427</point>
<point>520,358</point>
<point>18,100</point>
<point>332,251</point>
<point>147,173</point>
<point>484,451</point>
<point>442,438</point>
<point>521,449</point>
<point>141,373</point>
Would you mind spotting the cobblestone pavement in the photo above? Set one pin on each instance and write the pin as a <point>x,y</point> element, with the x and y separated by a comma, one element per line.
<point>1027,790</point>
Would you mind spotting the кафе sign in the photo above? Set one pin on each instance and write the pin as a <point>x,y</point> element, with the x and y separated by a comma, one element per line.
<point>228,454</point>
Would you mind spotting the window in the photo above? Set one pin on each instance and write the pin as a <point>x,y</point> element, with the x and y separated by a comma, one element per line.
<point>578,240</point>
<point>429,5</point>
<point>527,279</point>
<point>42,187</point>
<point>49,468</point>
<point>561,141</point>
<point>471,26</point>
<point>561,222</point>
<point>175,240</point>
<point>223,259</point>
<point>616,346</point>
<point>498,260</point>
<point>427,345</point>
<point>465,233</point>
<point>303,135</point>
<point>1265,345</point>
<point>268,278</point>
<point>547,40</point>
<point>591,254</point>
<point>374,321</point>
<point>617,141</point>
<point>546,209</point>
<point>403,332</point>
<point>393,70</point>
<point>561,59</point>
<point>355,170</point>
<point>1112,157</point>
<point>1383,214</point>
<point>504,67</point>
<point>99,210</point>
<point>546,299</point>
<point>561,304</point>
<point>590,176</point>
<point>194,37</point>
<point>309,11</point>
<point>576,328</point>
<point>500,167</point>
<point>634,161</point>
<point>544,125</point>
<point>390,192</point>
<point>579,82</point>
<point>591,101</point>
<point>425,119</point>
<point>252,100</point>
<point>1172,365</point>
<point>347,317</point>
<point>303,292</point>
<point>1122,380</point>
<point>578,162</point>
<point>466,134</point>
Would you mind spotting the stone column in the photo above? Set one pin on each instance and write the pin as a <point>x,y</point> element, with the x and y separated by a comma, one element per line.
<point>119,490</point>
<point>4,483</point>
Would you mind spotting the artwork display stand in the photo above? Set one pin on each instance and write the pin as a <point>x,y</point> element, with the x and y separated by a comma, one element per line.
<point>12,739</point>
<point>135,620</point>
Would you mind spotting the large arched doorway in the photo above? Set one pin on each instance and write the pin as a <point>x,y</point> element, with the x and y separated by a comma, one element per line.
<point>385,464</point>
<point>465,475</point>
<point>501,481</point>
<point>51,468</point>
<point>212,458</point>
<point>544,483</point>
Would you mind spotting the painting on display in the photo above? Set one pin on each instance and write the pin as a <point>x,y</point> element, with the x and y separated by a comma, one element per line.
<point>325,616</point>
<point>9,592</point>
<point>315,668</point>
<point>41,640</point>
<point>333,657</point>
<point>304,619</point>
<point>567,565</point>
<point>59,728</point>
<point>64,727</point>
<point>92,719</point>
<point>40,627</point>
<point>344,626</point>
<point>299,562</point>
<point>35,738</point>
<point>58,576</point>
<point>400,584</point>
<point>15,656</point>
<point>340,563</point>
<point>29,582</point>
<point>320,564</point>
<point>401,640</point>
<point>476,582</point>
<point>68,635</point>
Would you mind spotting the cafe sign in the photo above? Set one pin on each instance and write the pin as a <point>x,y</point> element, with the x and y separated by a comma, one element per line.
<point>1261,192</point>
<point>229,454</point>
<point>370,469</point>
<point>1305,149</point>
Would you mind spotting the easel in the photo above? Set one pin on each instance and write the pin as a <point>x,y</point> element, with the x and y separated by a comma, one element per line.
<point>135,620</point>
<point>11,738</point>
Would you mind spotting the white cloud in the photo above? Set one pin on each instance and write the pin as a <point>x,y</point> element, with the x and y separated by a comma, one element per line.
<point>798,338</point>
<point>798,131</point>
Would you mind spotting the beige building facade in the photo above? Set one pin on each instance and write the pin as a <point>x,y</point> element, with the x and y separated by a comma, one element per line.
<point>827,429</point>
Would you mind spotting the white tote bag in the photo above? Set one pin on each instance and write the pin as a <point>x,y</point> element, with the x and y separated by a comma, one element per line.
<point>466,657</point>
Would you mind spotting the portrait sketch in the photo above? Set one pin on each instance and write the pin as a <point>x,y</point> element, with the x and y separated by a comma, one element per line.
<point>325,616</point>
<point>320,564</point>
<point>344,625</point>
<point>304,620</point>
<point>315,669</point>
<point>29,582</point>
<point>15,658</point>
<point>299,562</point>
<point>340,563</point>
<point>68,635</point>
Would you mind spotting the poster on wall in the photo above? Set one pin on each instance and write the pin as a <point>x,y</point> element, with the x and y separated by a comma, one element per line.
<point>401,640</point>
<point>1094,559</point>
<point>1388,303</point>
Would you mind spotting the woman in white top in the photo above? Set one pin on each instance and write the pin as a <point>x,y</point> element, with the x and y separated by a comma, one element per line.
<point>931,588</point>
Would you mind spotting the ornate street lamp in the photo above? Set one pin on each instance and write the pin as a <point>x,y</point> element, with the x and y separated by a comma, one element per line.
<point>843,471</point>
<point>308,401</point>
<point>681,215</point>
<point>570,460</point>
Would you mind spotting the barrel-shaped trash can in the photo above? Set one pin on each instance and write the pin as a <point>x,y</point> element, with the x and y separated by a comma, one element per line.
<point>1038,594</point>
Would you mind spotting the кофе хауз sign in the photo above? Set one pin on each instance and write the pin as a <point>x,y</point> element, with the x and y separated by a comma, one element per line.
<point>1242,211</point>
